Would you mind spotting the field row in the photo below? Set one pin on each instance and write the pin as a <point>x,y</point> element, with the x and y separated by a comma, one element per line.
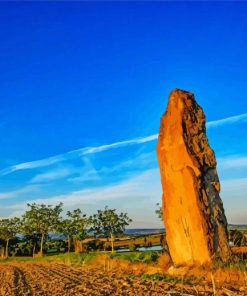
<point>54,279</point>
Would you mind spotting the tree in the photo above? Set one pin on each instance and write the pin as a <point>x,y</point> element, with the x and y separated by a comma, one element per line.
<point>109,224</point>
<point>41,219</point>
<point>74,227</point>
<point>237,237</point>
<point>159,212</point>
<point>8,230</point>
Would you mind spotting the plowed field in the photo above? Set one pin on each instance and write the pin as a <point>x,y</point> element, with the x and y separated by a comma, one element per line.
<point>54,279</point>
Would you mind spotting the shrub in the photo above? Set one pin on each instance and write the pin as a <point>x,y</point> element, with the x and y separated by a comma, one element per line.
<point>133,247</point>
<point>237,237</point>
<point>107,246</point>
<point>94,245</point>
<point>144,257</point>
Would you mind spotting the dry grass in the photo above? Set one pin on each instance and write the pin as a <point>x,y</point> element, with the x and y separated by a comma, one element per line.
<point>165,261</point>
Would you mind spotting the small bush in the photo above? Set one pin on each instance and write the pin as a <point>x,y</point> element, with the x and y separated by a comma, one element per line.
<point>234,263</point>
<point>144,257</point>
<point>189,280</point>
<point>107,246</point>
<point>94,245</point>
<point>133,247</point>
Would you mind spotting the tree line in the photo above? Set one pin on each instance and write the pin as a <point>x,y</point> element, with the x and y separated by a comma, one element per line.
<point>39,220</point>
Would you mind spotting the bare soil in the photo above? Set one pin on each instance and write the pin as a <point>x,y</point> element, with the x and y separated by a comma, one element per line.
<point>55,279</point>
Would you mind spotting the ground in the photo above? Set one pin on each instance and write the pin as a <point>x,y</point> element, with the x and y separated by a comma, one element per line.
<point>56,278</point>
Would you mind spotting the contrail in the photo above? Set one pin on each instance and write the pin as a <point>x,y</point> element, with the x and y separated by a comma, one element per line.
<point>228,120</point>
<point>92,150</point>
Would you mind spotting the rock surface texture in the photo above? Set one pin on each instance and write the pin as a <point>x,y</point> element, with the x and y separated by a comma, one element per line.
<point>196,226</point>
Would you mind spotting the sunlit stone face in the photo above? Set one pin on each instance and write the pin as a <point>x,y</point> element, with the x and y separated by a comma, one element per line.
<point>193,211</point>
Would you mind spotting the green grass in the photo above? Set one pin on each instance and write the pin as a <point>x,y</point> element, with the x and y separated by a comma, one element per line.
<point>189,280</point>
<point>144,257</point>
<point>76,258</point>
<point>148,257</point>
<point>79,258</point>
<point>237,265</point>
<point>24,259</point>
<point>52,250</point>
<point>73,258</point>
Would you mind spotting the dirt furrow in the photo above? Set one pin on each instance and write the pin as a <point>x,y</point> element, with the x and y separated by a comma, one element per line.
<point>65,274</point>
<point>55,279</point>
<point>45,280</point>
<point>34,280</point>
<point>20,283</point>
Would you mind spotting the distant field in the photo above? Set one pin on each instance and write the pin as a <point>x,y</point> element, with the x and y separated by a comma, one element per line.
<point>237,226</point>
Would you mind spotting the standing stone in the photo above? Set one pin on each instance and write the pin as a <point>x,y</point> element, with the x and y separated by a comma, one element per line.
<point>196,226</point>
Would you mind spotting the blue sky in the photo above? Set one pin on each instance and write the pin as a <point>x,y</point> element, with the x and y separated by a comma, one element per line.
<point>82,90</point>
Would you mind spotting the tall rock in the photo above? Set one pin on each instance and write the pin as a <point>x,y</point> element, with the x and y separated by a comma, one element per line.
<point>196,226</point>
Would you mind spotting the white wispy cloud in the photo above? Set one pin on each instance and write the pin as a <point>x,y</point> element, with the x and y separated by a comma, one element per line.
<point>136,187</point>
<point>232,162</point>
<point>33,164</point>
<point>87,172</point>
<point>136,195</point>
<point>14,193</point>
<point>92,150</point>
<point>51,175</point>
<point>72,154</point>
<point>228,120</point>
